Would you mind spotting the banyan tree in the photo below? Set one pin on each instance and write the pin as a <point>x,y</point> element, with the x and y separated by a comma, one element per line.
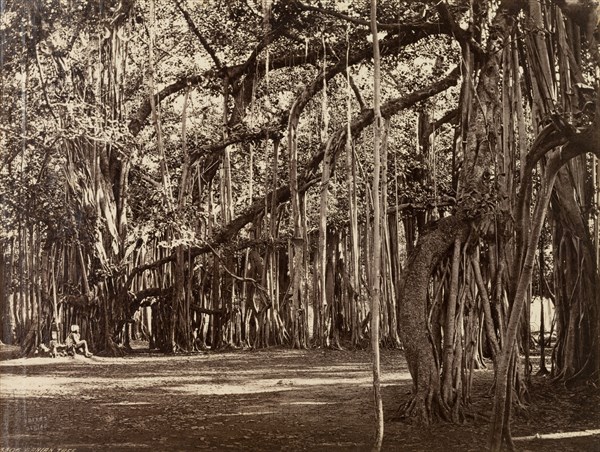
<point>202,174</point>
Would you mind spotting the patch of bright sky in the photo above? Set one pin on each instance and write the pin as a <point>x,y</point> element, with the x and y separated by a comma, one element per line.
<point>380,35</point>
<point>202,61</point>
<point>424,63</point>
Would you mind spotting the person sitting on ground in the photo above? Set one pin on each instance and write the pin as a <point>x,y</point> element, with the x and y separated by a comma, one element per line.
<point>75,342</point>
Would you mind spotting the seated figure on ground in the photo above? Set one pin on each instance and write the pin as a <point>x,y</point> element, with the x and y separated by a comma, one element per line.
<point>75,342</point>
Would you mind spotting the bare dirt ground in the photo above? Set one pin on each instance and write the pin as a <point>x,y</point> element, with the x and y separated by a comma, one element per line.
<point>256,400</point>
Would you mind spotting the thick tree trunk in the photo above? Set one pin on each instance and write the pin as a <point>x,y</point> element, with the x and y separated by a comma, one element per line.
<point>479,152</point>
<point>415,334</point>
<point>322,251</point>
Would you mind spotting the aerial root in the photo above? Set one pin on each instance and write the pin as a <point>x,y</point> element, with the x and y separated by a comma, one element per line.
<point>405,410</point>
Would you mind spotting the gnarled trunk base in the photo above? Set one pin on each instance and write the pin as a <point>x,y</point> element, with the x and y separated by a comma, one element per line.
<point>426,404</point>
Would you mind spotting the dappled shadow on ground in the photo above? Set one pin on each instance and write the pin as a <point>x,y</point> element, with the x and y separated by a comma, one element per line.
<point>261,400</point>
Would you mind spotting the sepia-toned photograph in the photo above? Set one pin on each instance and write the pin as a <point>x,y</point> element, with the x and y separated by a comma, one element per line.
<point>300,225</point>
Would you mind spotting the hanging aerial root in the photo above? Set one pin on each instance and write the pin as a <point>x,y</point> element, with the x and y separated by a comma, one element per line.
<point>405,410</point>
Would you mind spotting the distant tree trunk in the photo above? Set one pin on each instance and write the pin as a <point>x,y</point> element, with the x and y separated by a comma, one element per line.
<point>296,249</point>
<point>183,265</point>
<point>171,276</point>
<point>353,248</point>
<point>389,288</point>
<point>322,252</point>
<point>7,248</point>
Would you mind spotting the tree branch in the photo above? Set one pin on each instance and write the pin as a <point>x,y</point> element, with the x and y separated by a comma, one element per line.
<point>253,281</point>
<point>357,93</point>
<point>273,132</point>
<point>201,38</point>
<point>137,122</point>
<point>455,30</point>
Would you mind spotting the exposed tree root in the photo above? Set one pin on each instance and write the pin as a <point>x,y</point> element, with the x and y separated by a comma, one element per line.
<point>426,407</point>
<point>112,349</point>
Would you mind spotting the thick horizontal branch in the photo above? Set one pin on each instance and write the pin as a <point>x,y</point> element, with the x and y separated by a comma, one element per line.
<point>233,73</point>
<point>137,122</point>
<point>272,132</point>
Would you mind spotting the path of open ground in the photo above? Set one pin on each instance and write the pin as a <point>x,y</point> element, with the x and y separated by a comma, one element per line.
<point>254,400</point>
